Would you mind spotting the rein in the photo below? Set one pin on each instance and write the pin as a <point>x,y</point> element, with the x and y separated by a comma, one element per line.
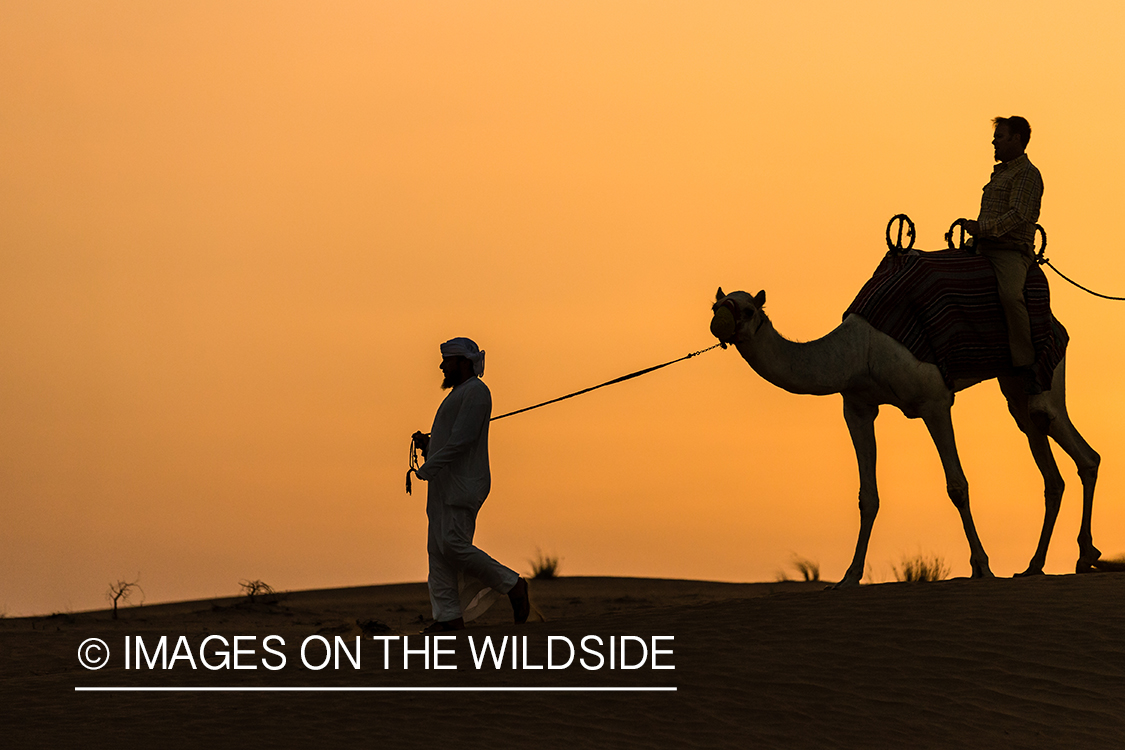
<point>414,448</point>
<point>1043,261</point>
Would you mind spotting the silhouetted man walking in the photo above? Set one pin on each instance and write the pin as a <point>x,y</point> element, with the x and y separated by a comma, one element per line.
<point>456,467</point>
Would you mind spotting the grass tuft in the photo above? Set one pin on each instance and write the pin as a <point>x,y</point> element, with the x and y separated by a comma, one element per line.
<point>921,568</point>
<point>809,570</point>
<point>544,566</point>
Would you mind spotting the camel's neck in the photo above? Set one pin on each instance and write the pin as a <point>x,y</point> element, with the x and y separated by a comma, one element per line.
<point>818,367</point>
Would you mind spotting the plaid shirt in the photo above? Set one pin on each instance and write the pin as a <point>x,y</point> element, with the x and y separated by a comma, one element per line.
<point>1009,207</point>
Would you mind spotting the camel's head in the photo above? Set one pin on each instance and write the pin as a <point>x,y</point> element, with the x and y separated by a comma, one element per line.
<point>733,313</point>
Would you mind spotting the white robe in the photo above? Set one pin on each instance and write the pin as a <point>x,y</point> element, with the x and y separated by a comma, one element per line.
<point>463,579</point>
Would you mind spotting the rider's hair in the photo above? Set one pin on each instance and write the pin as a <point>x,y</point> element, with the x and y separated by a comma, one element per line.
<point>1016,126</point>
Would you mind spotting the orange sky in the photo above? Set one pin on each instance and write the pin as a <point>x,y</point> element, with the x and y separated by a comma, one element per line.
<point>234,235</point>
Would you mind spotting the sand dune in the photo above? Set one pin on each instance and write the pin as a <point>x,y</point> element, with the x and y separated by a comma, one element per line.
<point>1036,663</point>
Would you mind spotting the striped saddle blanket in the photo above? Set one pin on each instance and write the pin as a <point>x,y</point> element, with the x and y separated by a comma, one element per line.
<point>943,306</point>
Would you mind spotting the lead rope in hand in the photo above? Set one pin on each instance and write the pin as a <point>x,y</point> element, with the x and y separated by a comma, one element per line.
<point>413,451</point>
<point>413,464</point>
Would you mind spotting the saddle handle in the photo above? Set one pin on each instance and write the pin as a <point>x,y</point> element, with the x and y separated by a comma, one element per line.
<point>962,237</point>
<point>904,222</point>
<point>963,244</point>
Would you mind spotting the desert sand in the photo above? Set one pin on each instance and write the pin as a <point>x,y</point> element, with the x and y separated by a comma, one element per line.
<point>1008,663</point>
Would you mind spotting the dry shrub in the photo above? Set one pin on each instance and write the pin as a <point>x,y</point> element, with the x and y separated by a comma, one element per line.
<point>544,566</point>
<point>122,591</point>
<point>809,570</point>
<point>921,568</point>
<point>254,589</point>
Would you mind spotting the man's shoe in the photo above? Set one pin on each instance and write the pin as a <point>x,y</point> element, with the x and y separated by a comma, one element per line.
<point>444,627</point>
<point>521,602</point>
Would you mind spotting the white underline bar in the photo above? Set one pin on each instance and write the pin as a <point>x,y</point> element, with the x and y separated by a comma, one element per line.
<point>283,689</point>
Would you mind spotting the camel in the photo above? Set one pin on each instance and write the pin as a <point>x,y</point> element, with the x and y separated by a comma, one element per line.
<point>870,369</point>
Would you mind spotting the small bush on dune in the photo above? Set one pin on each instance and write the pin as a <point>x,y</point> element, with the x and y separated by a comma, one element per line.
<point>544,566</point>
<point>921,568</point>
<point>122,591</point>
<point>254,589</point>
<point>809,570</point>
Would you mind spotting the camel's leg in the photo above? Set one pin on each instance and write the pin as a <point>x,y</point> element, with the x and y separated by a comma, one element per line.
<point>1053,402</point>
<point>860,417</point>
<point>1053,485</point>
<point>1048,413</point>
<point>1087,460</point>
<point>940,425</point>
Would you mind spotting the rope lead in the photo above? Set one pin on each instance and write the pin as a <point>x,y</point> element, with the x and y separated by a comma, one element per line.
<point>1040,258</point>
<point>414,454</point>
<point>623,378</point>
<point>413,464</point>
<point>1044,261</point>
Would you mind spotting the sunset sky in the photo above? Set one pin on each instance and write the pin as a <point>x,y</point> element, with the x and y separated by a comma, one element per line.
<point>232,236</point>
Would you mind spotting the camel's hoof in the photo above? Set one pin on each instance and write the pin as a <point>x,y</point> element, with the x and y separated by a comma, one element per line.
<point>1031,571</point>
<point>1088,557</point>
<point>982,571</point>
<point>1086,566</point>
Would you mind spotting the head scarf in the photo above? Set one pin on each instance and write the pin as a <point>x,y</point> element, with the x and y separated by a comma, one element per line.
<point>467,348</point>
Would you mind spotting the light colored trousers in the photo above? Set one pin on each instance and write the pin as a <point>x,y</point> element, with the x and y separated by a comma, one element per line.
<point>458,569</point>
<point>1011,268</point>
